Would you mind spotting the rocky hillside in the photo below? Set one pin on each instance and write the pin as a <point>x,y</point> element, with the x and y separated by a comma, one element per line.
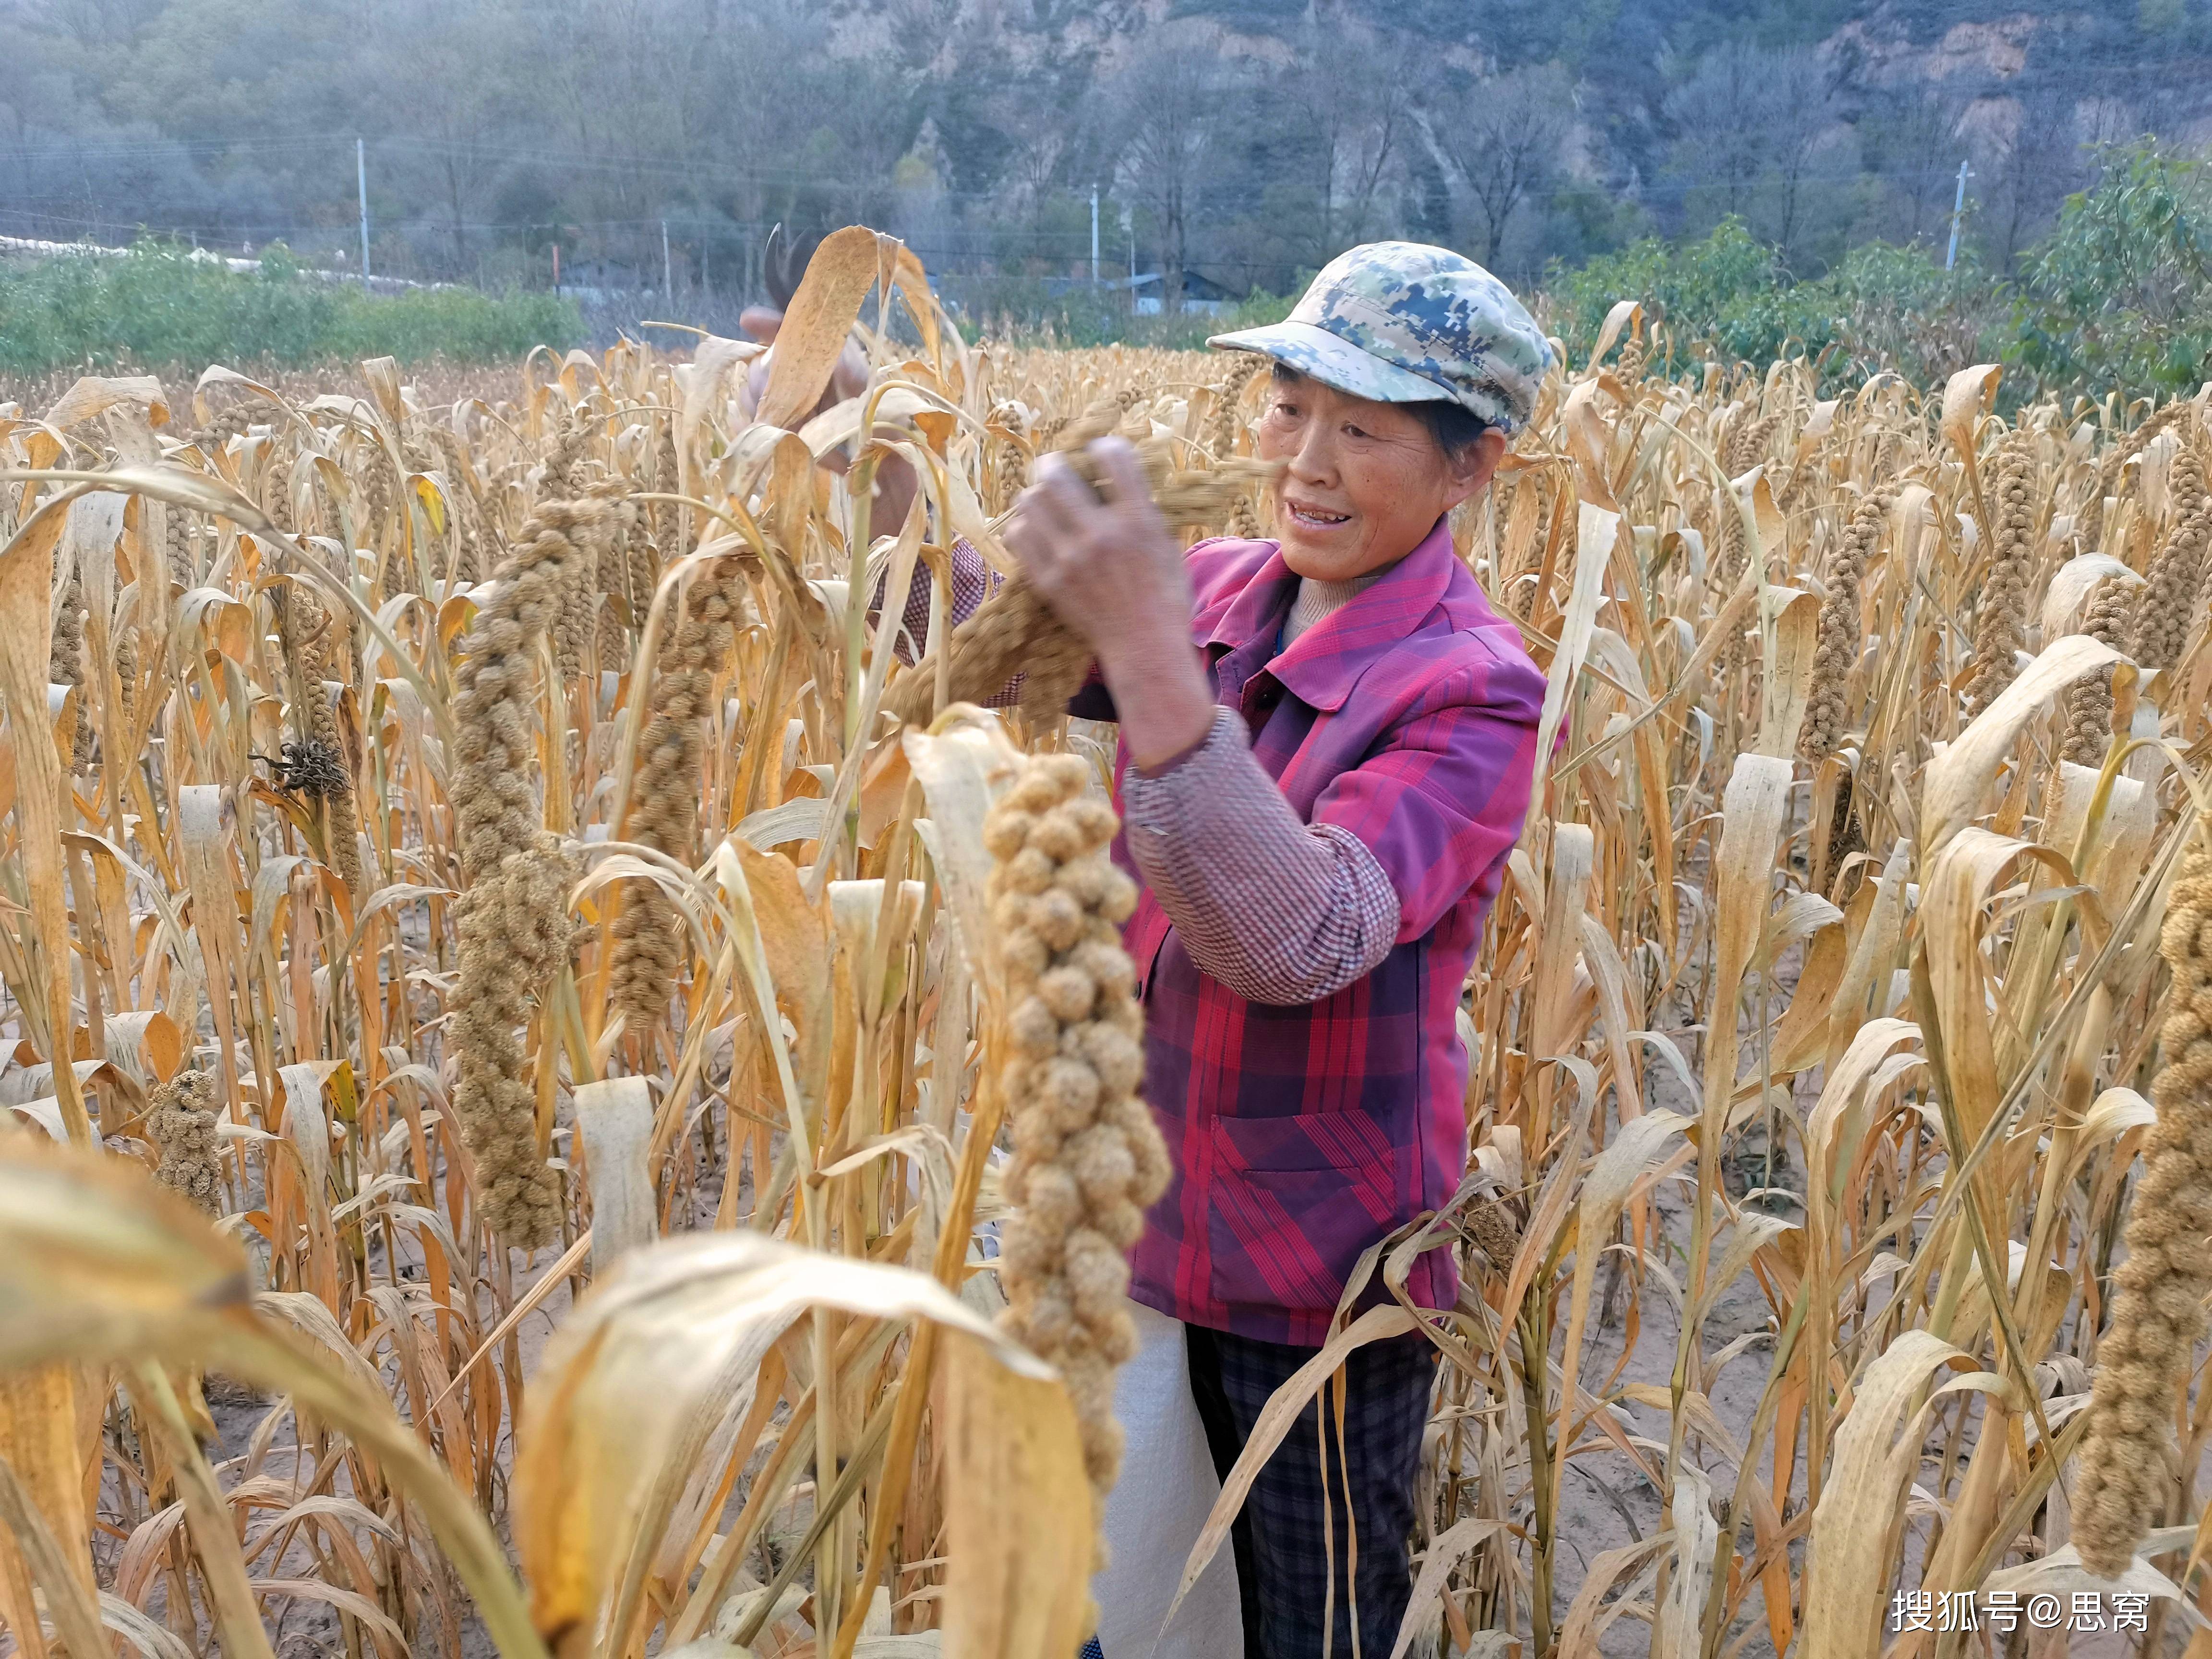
<point>1821,122</point>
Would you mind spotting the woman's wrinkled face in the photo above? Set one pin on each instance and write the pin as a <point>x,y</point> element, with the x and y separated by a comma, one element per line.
<point>1366,481</point>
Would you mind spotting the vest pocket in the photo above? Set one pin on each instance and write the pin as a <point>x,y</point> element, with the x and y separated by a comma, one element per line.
<point>1295,1201</point>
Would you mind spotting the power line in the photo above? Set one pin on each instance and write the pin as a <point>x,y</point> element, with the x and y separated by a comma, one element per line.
<point>965,244</point>
<point>573,160</point>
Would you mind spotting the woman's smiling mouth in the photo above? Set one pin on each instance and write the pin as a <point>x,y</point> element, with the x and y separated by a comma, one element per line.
<point>1315,518</point>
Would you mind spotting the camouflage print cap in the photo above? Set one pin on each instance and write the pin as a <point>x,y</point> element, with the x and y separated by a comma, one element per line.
<point>1403,322</point>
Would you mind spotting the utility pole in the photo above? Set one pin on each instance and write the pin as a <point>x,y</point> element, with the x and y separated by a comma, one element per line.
<point>1957,212</point>
<point>361,180</point>
<point>1094,235</point>
<point>667,272</point>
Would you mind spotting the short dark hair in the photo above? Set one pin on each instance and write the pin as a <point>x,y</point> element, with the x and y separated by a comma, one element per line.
<point>1454,426</point>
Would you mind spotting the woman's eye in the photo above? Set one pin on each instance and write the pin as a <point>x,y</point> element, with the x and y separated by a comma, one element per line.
<point>1351,431</point>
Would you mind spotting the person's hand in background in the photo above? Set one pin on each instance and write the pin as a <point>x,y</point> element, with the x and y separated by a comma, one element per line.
<point>896,483</point>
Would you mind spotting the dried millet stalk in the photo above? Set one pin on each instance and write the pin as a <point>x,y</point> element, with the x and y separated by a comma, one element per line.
<point>180,1123</point>
<point>2090,531</point>
<point>563,459</point>
<point>65,666</point>
<point>514,922</point>
<point>1738,664</point>
<point>2001,613</point>
<point>1747,445</point>
<point>176,539</point>
<point>608,575</point>
<point>1846,837</point>
<point>2090,699</point>
<point>1735,542</point>
<point>646,558</point>
<point>235,420</point>
<point>1227,422</point>
<point>1087,1157</point>
<point>1888,453</point>
<point>467,504</point>
<point>126,675</point>
<point>314,642</point>
<point>649,940</point>
<point>378,484</point>
<point>576,630</point>
<point>1826,710</point>
<point>2169,601</point>
<point>1241,521</point>
<point>1491,1227</point>
<point>617,566</point>
<point>664,516</point>
<point>2147,1353</point>
<point>573,629</point>
<point>1070,432</point>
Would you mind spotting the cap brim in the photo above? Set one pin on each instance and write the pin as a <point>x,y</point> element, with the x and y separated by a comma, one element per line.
<point>1315,352</point>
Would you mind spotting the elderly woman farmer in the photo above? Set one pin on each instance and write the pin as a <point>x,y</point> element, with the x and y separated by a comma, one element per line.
<point>1326,748</point>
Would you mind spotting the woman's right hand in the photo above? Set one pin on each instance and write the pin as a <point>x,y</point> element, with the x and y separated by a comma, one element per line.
<point>1111,570</point>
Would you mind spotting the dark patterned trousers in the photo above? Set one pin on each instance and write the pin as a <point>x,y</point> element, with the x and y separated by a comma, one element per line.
<point>1326,1495</point>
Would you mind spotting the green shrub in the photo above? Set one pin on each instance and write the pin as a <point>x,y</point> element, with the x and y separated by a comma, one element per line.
<point>2118,296</point>
<point>158,307</point>
<point>1728,296</point>
<point>2120,293</point>
<point>1717,293</point>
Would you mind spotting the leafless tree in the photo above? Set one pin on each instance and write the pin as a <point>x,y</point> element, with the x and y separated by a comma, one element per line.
<point>1505,137</point>
<point>1720,148</point>
<point>2027,171</point>
<point>1755,130</point>
<point>1167,103</point>
<point>1913,141</point>
<point>1810,143</point>
<point>1357,93</point>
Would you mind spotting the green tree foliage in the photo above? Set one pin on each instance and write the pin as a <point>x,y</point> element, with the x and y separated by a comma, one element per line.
<point>1721,289</point>
<point>2121,292</point>
<point>2118,295</point>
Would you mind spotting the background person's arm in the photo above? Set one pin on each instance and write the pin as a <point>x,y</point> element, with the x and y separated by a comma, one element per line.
<point>896,483</point>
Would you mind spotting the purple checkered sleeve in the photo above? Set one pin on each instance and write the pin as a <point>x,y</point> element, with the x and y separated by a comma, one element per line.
<point>1279,911</point>
<point>972,581</point>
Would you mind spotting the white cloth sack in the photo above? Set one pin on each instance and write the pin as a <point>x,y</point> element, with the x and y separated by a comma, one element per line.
<point>1157,1509</point>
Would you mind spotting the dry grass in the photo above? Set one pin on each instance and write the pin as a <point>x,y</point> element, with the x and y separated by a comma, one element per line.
<point>1865,1033</point>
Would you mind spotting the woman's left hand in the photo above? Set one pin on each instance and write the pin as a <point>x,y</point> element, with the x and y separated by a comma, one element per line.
<point>1111,571</point>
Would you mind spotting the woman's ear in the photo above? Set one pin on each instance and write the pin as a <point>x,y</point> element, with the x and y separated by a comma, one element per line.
<point>1473,467</point>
